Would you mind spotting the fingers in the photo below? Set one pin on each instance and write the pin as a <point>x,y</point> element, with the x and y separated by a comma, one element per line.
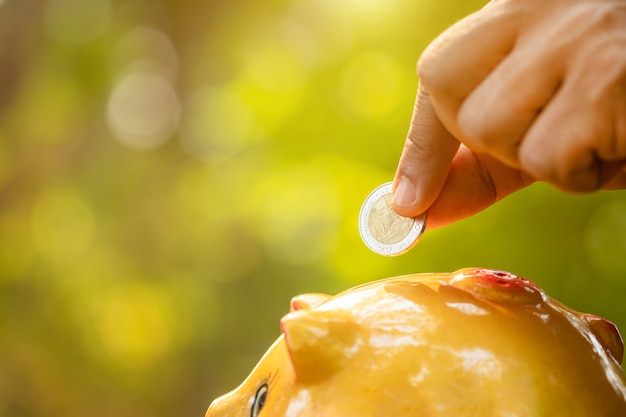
<point>495,116</point>
<point>539,94</point>
<point>475,182</point>
<point>556,148</point>
<point>540,91</point>
<point>568,144</point>
<point>578,142</point>
<point>450,71</point>
<point>425,160</point>
<point>562,146</point>
<point>459,59</point>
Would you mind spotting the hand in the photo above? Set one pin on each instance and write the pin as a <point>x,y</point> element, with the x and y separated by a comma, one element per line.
<point>519,91</point>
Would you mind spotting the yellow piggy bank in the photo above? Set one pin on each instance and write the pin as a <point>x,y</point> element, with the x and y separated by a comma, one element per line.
<point>476,342</point>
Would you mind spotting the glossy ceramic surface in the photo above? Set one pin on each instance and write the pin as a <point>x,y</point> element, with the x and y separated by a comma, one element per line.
<point>471,343</point>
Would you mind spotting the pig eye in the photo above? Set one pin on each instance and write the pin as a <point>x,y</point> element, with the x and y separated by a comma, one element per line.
<point>259,400</point>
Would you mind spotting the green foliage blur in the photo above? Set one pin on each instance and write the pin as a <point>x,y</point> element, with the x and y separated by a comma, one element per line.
<point>172,172</point>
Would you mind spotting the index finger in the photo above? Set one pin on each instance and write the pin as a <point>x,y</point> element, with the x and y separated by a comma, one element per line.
<point>425,160</point>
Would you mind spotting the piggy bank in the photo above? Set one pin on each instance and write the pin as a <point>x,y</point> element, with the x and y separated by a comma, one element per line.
<point>476,342</point>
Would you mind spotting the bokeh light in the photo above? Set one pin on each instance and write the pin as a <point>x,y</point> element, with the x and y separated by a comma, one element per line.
<point>172,173</point>
<point>143,110</point>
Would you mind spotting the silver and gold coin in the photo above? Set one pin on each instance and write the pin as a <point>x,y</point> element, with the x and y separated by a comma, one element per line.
<point>384,231</point>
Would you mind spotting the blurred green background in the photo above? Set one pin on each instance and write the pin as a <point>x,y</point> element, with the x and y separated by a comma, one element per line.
<point>172,172</point>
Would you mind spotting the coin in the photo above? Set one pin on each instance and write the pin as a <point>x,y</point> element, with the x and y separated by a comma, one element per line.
<point>384,231</point>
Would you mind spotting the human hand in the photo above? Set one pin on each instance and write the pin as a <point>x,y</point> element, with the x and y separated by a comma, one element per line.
<point>519,91</point>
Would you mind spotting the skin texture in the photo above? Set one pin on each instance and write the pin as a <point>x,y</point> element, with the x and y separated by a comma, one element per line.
<point>471,343</point>
<point>520,91</point>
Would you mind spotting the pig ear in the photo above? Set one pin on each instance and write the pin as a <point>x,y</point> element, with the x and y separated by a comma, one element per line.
<point>308,301</point>
<point>319,342</point>
<point>607,334</point>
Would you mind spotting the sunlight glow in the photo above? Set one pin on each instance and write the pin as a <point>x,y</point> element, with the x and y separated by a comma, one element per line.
<point>215,124</point>
<point>371,86</point>
<point>280,56</point>
<point>295,212</point>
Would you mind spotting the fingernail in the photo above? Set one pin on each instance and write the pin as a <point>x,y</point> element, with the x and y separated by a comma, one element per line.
<point>405,194</point>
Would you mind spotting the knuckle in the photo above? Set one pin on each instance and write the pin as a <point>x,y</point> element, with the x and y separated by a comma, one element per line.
<point>430,69</point>
<point>537,165</point>
<point>483,131</point>
<point>577,173</point>
<point>607,16</point>
<point>476,129</point>
<point>582,180</point>
<point>425,71</point>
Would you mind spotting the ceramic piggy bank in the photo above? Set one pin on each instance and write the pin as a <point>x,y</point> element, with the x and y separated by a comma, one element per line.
<point>476,342</point>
